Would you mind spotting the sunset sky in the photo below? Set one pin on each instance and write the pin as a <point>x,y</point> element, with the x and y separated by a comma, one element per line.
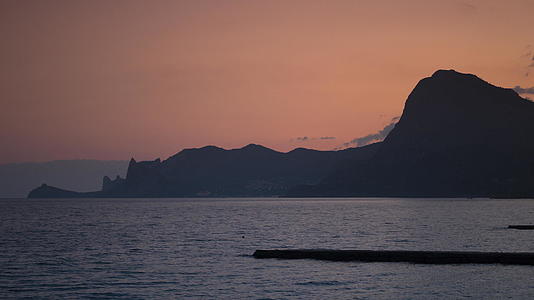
<point>145,79</point>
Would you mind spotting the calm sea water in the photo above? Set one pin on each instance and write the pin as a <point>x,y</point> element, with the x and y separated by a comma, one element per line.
<point>201,248</point>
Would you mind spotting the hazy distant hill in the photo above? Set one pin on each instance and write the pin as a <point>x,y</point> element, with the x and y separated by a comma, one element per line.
<point>17,179</point>
<point>458,136</point>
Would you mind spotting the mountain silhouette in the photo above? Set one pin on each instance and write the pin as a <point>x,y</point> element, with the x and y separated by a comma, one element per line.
<point>458,136</point>
<point>253,170</point>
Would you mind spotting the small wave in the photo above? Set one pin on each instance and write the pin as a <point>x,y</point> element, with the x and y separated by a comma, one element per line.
<point>321,283</point>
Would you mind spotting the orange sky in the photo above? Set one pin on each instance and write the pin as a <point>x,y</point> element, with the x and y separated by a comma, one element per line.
<point>144,79</point>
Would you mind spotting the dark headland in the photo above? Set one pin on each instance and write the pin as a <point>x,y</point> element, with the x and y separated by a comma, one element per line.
<point>458,136</point>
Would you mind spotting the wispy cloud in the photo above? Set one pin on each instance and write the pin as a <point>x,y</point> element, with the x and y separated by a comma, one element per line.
<point>521,90</point>
<point>373,137</point>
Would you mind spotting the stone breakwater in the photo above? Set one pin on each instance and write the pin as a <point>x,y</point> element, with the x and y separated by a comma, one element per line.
<point>424,257</point>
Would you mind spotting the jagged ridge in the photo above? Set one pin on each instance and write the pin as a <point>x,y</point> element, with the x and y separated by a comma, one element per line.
<point>253,170</point>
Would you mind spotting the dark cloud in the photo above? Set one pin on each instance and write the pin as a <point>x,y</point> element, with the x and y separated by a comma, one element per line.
<point>371,138</point>
<point>521,90</point>
<point>306,138</point>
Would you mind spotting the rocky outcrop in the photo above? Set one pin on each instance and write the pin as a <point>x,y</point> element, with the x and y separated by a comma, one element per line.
<point>109,185</point>
<point>458,136</point>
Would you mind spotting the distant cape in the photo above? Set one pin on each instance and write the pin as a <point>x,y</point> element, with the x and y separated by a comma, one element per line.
<point>458,136</point>
<point>17,179</point>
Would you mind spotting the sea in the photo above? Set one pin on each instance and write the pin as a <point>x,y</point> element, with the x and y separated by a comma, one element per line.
<point>202,248</point>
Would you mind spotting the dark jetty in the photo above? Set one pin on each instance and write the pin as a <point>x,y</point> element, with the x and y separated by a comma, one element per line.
<point>521,227</point>
<point>423,257</point>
